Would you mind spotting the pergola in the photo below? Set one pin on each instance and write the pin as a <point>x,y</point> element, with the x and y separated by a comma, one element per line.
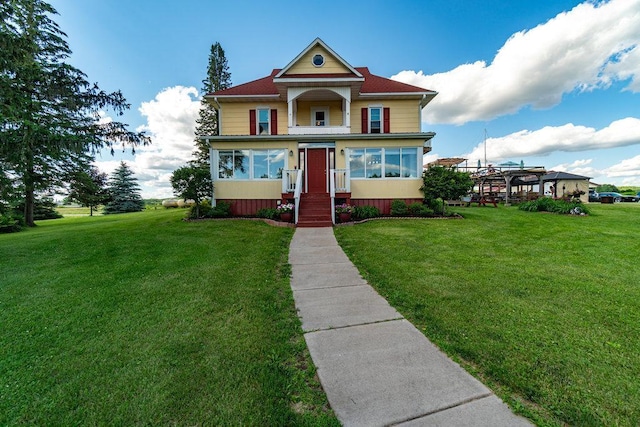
<point>507,178</point>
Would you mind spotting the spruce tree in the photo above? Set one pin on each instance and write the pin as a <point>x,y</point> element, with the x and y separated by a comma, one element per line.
<point>49,111</point>
<point>218,78</point>
<point>124,192</point>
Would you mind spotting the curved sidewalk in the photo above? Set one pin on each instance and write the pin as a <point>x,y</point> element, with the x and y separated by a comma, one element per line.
<point>376,368</point>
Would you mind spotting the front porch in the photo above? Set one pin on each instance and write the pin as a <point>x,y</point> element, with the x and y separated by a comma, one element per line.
<point>315,209</point>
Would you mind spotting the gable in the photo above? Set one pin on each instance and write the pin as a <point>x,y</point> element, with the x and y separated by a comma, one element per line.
<point>304,65</point>
<point>331,65</point>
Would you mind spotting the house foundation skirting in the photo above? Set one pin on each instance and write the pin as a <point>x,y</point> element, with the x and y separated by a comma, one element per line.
<point>249,207</point>
<point>384,205</point>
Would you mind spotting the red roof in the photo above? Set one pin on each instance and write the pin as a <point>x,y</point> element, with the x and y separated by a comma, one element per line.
<point>371,84</point>
<point>263,86</point>
<point>377,84</point>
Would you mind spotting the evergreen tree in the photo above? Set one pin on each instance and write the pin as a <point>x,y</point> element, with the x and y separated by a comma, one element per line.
<point>124,192</point>
<point>218,78</point>
<point>49,112</point>
<point>88,188</point>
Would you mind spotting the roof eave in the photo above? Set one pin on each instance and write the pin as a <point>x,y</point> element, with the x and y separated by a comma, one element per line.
<point>426,136</point>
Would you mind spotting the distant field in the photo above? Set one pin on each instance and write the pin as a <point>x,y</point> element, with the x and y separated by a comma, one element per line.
<point>67,211</point>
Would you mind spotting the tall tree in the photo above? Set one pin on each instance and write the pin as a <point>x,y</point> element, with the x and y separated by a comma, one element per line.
<point>88,188</point>
<point>124,192</point>
<point>49,111</point>
<point>218,78</point>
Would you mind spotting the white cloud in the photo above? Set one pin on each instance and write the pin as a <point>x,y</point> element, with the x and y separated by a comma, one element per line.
<point>628,169</point>
<point>430,157</point>
<point>171,125</point>
<point>583,49</point>
<point>578,167</point>
<point>549,139</point>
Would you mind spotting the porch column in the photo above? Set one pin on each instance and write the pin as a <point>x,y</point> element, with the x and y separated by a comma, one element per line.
<point>346,112</point>
<point>290,106</point>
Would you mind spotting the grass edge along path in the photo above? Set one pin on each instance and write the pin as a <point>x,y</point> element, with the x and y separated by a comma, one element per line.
<point>542,308</point>
<point>146,319</point>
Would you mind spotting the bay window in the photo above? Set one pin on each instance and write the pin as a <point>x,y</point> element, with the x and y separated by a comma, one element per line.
<point>383,162</point>
<point>251,164</point>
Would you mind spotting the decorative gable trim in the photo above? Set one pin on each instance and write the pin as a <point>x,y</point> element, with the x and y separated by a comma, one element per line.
<point>313,44</point>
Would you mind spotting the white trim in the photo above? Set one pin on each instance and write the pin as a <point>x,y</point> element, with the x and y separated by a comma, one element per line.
<point>314,62</point>
<point>381,108</point>
<point>313,120</point>
<point>397,94</point>
<point>418,165</point>
<point>216,166</point>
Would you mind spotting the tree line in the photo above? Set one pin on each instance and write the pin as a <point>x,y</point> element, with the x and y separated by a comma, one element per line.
<point>50,127</point>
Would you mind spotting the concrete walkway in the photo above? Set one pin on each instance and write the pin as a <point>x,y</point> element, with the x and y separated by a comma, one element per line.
<point>376,368</point>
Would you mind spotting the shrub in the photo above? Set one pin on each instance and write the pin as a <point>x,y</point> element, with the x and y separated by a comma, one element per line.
<point>547,204</point>
<point>269,213</point>
<point>399,208</point>
<point>364,212</point>
<point>420,209</point>
<point>221,210</point>
<point>9,224</point>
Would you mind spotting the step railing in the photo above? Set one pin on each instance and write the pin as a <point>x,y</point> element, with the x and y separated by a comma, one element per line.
<point>289,178</point>
<point>332,193</point>
<point>296,195</point>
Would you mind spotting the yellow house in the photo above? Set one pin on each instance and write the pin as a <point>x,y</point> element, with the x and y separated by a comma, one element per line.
<point>316,133</point>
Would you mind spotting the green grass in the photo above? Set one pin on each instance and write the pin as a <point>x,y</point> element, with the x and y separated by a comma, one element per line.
<point>142,318</point>
<point>543,308</point>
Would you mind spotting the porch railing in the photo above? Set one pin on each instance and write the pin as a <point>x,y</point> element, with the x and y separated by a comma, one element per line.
<point>339,182</point>
<point>289,177</point>
<point>342,180</point>
<point>296,195</point>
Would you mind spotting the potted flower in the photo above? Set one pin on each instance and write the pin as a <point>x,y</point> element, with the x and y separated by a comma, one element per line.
<point>285,210</point>
<point>344,212</point>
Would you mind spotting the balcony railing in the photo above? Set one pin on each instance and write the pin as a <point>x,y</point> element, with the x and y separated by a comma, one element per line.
<point>319,130</point>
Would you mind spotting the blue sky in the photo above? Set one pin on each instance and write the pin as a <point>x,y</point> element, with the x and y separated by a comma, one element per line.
<point>555,83</point>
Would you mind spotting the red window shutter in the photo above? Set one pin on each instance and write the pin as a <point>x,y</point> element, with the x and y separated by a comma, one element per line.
<point>387,122</point>
<point>252,122</point>
<point>274,122</point>
<point>365,120</point>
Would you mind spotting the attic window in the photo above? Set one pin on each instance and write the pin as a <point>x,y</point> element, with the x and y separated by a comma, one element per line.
<point>318,60</point>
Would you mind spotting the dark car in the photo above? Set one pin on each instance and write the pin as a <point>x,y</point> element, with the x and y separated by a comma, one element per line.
<point>593,196</point>
<point>617,197</point>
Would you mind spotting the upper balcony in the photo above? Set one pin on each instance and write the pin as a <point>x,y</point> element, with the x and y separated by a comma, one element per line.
<point>319,130</point>
<point>319,110</point>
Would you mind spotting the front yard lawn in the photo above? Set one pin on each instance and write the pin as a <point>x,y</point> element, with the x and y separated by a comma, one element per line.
<point>543,308</point>
<point>143,319</point>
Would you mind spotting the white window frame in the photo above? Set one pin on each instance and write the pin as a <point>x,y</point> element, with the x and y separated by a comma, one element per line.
<point>251,164</point>
<point>376,107</point>
<point>315,110</point>
<point>268,110</point>
<point>418,150</point>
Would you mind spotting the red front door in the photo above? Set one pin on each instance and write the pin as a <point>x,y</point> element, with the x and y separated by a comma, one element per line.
<point>316,170</point>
